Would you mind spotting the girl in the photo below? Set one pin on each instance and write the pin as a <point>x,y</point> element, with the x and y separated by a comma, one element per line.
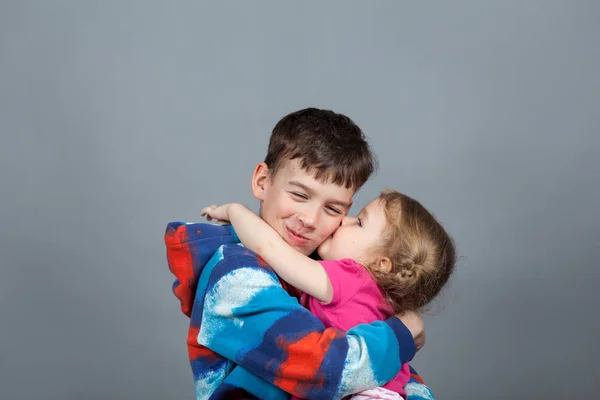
<point>393,257</point>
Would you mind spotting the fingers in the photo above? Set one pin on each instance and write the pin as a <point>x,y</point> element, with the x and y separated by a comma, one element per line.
<point>207,211</point>
<point>414,322</point>
<point>421,342</point>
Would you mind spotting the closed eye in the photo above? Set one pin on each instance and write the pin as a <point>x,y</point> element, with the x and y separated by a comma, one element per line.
<point>334,210</point>
<point>300,195</point>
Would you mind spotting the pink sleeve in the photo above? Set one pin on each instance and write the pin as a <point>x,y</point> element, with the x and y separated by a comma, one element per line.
<point>346,277</point>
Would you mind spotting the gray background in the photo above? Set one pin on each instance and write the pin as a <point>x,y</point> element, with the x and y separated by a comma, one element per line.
<point>119,116</point>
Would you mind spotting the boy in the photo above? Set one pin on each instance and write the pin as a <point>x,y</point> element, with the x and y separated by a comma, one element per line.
<point>256,340</point>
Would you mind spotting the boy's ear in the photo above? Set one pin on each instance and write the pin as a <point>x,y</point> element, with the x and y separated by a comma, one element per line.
<point>260,179</point>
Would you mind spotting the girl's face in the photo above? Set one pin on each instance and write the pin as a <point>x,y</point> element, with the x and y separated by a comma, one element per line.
<point>356,236</point>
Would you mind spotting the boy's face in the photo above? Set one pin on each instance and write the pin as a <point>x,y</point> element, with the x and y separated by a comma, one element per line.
<point>303,210</point>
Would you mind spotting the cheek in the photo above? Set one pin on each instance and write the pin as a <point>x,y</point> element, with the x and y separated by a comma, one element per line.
<point>327,226</point>
<point>340,248</point>
<point>287,208</point>
<point>279,208</point>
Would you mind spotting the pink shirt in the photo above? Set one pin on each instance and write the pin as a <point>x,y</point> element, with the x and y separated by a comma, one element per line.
<point>356,300</point>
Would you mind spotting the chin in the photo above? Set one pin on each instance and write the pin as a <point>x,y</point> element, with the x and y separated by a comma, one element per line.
<point>322,251</point>
<point>304,249</point>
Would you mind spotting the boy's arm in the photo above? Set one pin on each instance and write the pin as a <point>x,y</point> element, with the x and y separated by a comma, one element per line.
<point>295,268</point>
<point>248,318</point>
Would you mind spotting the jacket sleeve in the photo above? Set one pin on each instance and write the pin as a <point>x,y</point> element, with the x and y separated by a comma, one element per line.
<point>416,389</point>
<point>189,247</point>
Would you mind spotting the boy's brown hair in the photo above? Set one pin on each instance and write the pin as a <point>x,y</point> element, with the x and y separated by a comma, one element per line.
<point>329,145</point>
<point>422,254</point>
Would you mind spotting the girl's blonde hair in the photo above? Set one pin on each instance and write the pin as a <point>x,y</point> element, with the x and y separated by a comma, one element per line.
<point>421,252</point>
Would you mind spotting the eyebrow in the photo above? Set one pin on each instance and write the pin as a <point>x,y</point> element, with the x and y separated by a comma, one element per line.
<point>312,192</point>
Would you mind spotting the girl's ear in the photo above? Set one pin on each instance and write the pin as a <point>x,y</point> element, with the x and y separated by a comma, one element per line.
<point>383,264</point>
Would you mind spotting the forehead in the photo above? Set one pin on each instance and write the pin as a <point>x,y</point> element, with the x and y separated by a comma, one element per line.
<point>374,205</point>
<point>375,209</point>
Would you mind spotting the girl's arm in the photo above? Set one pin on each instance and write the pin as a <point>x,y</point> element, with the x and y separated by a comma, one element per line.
<point>292,266</point>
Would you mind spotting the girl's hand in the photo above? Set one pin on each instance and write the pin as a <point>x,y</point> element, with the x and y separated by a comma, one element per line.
<point>218,213</point>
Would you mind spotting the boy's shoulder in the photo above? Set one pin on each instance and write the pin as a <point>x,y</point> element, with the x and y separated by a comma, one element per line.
<point>231,258</point>
<point>238,256</point>
<point>237,263</point>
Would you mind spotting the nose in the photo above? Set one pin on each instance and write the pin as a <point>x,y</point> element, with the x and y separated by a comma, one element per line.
<point>346,220</point>
<point>310,217</point>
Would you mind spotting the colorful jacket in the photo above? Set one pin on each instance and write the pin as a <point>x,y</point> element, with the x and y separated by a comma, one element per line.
<point>249,338</point>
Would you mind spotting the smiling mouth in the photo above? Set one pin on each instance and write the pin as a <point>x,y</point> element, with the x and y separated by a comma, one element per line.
<point>295,237</point>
